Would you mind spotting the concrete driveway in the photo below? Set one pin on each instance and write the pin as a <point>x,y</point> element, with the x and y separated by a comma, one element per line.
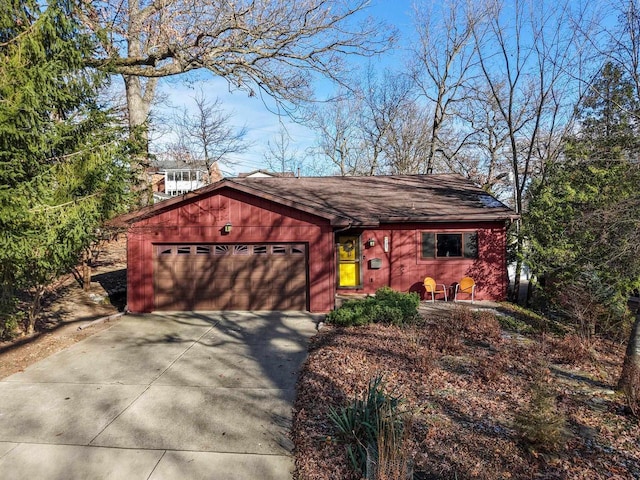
<point>162,396</point>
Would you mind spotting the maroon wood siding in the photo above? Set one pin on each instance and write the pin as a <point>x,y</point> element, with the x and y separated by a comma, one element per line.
<point>403,268</point>
<point>253,221</point>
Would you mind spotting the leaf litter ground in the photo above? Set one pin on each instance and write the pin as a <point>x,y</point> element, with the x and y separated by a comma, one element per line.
<point>463,385</point>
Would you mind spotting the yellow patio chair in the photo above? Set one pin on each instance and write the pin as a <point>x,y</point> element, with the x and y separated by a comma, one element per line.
<point>431,287</point>
<point>466,285</point>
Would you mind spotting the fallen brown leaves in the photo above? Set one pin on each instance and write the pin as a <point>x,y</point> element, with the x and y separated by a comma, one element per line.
<point>463,384</point>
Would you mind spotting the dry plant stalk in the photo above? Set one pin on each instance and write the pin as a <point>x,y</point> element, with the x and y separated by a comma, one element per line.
<point>392,461</point>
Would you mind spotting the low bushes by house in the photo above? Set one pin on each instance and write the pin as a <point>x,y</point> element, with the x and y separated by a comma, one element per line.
<point>387,306</point>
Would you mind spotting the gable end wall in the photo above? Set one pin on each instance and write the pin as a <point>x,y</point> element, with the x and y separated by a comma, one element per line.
<point>253,220</point>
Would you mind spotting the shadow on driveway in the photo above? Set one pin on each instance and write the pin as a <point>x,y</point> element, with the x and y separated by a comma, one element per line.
<point>188,392</point>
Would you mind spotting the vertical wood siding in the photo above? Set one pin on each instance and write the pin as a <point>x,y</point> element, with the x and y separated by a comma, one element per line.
<point>254,221</point>
<point>404,270</point>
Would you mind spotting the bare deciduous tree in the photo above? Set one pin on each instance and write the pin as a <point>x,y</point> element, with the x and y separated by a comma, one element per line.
<point>384,102</point>
<point>444,60</point>
<point>525,62</point>
<point>206,136</point>
<point>339,135</point>
<point>272,47</point>
<point>482,156</point>
<point>382,127</point>
<point>406,141</point>
<point>280,155</point>
<point>619,41</point>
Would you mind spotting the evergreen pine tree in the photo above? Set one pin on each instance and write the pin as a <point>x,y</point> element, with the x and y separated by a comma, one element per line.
<point>63,163</point>
<point>584,220</point>
<point>581,220</point>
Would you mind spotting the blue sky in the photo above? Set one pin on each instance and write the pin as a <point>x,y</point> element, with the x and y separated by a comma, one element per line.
<point>263,125</point>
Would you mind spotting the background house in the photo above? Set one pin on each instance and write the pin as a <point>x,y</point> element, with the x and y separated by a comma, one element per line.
<point>261,243</point>
<point>171,178</point>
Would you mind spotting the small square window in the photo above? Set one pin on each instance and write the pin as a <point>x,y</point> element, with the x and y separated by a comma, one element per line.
<point>449,245</point>
<point>279,250</point>
<point>241,250</point>
<point>220,249</point>
<point>259,249</point>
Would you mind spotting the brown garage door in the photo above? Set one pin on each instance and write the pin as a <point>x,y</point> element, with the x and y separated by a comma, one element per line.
<point>230,277</point>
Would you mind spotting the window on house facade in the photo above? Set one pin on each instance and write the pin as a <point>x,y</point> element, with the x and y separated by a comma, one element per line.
<point>449,245</point>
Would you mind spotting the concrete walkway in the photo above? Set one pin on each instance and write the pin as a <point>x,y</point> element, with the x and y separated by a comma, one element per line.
<point>162,396</point>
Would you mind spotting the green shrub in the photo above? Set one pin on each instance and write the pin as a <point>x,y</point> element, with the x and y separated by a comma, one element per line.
<point>541,425</point>
<point>387,306</point>
<point>381,313</point>
<point>9,325</point>
<point>407,303</point>
<point>351,313</point>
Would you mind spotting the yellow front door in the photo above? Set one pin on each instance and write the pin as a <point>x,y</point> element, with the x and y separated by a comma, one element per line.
<point>348,261</point>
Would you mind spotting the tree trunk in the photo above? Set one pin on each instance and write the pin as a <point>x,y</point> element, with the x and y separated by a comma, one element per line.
<point>139,98</point>
<point>515,293</point>
<point>527,302</point>
<point>630,378</point>
<point>86,275</point>
<point>34,310</point>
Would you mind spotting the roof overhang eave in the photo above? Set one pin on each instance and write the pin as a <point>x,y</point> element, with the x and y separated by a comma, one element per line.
<point>165,205</point>
<point>451,218</point>
<point>355,222</point>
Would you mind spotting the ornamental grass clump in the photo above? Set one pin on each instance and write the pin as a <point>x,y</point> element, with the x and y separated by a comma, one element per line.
<point>372,429</point>
<point>387,306</point>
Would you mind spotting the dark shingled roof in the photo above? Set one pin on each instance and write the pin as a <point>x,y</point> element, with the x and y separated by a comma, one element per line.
<point>365,201</point>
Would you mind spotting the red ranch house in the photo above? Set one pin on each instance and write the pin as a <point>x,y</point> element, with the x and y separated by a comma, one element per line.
<point>294,243</point>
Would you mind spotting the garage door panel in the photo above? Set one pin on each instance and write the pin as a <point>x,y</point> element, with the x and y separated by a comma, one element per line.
<point>201,263</point>
<point>230,277</point>
<point>259,302</point>
<point>172,302</point>
<point>274,276</point>
<point>206,291</point>
<point>214,302</point>
<point>293,284</point>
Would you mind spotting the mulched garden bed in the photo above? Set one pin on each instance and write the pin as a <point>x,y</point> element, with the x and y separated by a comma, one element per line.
<point>464,381</point>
